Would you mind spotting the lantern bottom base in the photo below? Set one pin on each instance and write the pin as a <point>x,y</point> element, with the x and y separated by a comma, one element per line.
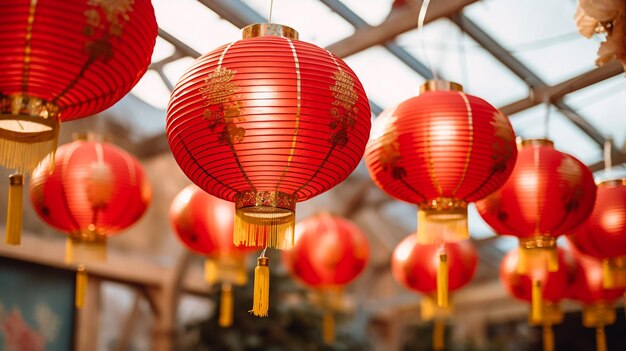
<point>264,226</point>
<point>537,254</point>
<point>442,226</point>
<point>81,251</point>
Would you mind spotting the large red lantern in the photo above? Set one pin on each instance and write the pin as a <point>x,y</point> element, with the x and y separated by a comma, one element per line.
<point>603,235</point>
<point>96,190</point>
<point>59,61</point>
<point>434,270</point>
<point>204,224</point>
<point>329,252</point>
<point>549,194</point>
<point>441,150</point>
<point>543,290</point>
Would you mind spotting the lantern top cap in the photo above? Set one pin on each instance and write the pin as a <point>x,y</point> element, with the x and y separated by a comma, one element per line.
<point>440,85</point>
<point>268,29</point>
<point>522,143</point>
<point>612,182</point>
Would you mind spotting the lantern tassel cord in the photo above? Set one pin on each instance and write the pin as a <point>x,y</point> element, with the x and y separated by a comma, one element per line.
<point>442,279</point>
<point>328,327</point>
<point>81,286</point>
<point>14,210</point>
<point>548,338</point>
<point>536,300</point>
<point>226,306</point>
<point>600,338</point>
<point>260,301</point>
<point>439,334</point>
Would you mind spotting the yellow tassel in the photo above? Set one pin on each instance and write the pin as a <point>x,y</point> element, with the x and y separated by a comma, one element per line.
<point>548,338</point>
<point>536,309</point>
<point>14,210</point>
<point>536,258</point>
<point>614,273</point>
<point>600,338</point>
<point>260,301</point>
<point>439,335</point>
<point>81,286</point>
<point>438,226</point>
<point>442,280</point>
<point>210,271</point>
<point>77,250</point>
<point>328,327</point>
<point>264,229</point>
<point>226,306</point>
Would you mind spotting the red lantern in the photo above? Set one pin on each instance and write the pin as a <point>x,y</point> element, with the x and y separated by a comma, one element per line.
<point>434,269</point>
<point>603,235</point>
<point>265,122</point>
<point>95,191</point>
<point>329,252</point>
<point>59,61</point>
<point>441,150</point>
<point>204,224</point>
<point>548,194</point>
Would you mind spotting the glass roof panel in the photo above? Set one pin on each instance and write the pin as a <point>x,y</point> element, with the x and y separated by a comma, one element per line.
<point>457,57</point>
<point>175,69</point>
<point>162,49</point>
<point>152,90</point>
<point>566,136</point>
<point>390,81</point>
<point>373,12</point>
<point>314,21</point>
<point>541,34</point>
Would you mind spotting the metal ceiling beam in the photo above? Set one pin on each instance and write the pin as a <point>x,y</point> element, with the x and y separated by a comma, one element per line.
<point>399,21</point>
<point>179,45</point>
<point>234,11</point>
<point>526,74</point>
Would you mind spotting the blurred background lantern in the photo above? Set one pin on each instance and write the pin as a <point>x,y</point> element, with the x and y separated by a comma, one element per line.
<point>59,61</point>
<point>329,252</point>
<point>549,194</point>
<point>265,122</point>
<point>204,223</point>
<point>441,150</point>
<point>434,270</point>
<point>603,235</point>
<point>544,291</point>
<point>598,302</point>
<point>96,190</point>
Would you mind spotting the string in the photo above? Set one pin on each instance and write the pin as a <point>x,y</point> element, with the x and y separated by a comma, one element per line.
<point>546,121</point>
<point>270,17</point>
<point>263,252</point>
<point>420,25</point>
<point>608,162</point>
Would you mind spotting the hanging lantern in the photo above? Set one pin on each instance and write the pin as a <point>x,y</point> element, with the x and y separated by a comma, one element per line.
<point>95,191</point>
<point>441,150</point>
<point>548,194</point>
<point>434,270</point>
<point>603,235</point>
<point>329,252</point>
<point>544,290</point>
<point>265,122</point>
<point>60,61</point>
<point>598,302</point>
<point>204,224</point>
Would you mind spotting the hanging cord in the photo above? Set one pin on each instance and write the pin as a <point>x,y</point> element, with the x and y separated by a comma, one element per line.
<point>546,120</point>
<point>608,160</point>
<point>269,19</point>
<point>420,25</point>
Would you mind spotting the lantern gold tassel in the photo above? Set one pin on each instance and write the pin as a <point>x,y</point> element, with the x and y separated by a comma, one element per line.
<point>436,226</point>
<point>439,334</point>
<point>442,280</point>
<point>261,297</point>
<point>77,250</point>
<point>600,338</point>
<point>274,229</point>
<point>548,338</point>
<point>328,327</point>
<point>14,210</point>
<point>81,286</point>
<point>614,273</point>
<point>226,306</point>
<point>537,253</point>
<point>536,308</point>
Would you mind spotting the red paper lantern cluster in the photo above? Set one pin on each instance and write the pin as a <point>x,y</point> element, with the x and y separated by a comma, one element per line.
<point>549,194</point>
<point>603,235</point>
<point>441,150</point>
<point>265,122</point>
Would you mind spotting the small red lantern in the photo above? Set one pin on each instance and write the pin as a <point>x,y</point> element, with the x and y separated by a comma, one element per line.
<point>329,252</point>
<point>549,194</point>
<point>441,150</point>
<point>204,224</point>
<point>59,61</point>
<point>603,235</point>
<point>598,301</point>
<point>434,269</point>
<point>265,122</point>
<point>95,191</point>
<point>543,290</point>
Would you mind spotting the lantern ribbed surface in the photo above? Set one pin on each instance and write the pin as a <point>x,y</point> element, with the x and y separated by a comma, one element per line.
<point>441,150</point>
<point>96,190</point>
<point>63,60</point>
<point>415,265</point>
<point>329,251</point>
<point>265,122</point>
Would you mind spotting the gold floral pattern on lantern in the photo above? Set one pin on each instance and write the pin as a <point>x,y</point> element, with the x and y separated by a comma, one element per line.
<point>107,17</point>
<point>343,110</point>
<point>221,107</point>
